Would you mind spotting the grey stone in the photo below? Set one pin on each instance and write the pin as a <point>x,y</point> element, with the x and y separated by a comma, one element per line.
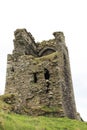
<point>39,74</point>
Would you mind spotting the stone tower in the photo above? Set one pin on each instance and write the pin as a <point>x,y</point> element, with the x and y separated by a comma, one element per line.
<point>39,75</point>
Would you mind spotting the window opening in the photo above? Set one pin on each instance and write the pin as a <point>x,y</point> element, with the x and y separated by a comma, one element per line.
<point>35,77</point>
<point>46,74</point>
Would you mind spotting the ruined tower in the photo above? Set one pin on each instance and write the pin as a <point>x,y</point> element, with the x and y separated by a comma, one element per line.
<point>39,75</point>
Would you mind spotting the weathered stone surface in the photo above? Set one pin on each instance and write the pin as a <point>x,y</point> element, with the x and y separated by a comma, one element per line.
<point>7,102</point>
<point>39,75</point>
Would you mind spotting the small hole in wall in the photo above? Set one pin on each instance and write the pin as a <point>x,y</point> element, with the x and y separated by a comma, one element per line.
<point>64,59</point>
<point>35,77</point>
<point>12,69</point>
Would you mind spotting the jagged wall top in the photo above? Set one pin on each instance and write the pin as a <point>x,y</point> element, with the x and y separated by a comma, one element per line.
<point>24,43</point>
<point>21,32</point>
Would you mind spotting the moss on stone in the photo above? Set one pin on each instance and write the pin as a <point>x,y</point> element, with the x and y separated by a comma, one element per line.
<point>44,58</point>
<point>51,109</point>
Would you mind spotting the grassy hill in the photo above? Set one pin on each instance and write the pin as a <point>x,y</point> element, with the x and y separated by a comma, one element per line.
<point>19,122</point>
<point>11,121</point>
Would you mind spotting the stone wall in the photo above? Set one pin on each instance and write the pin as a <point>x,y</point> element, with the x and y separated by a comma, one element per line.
<point>39,75</point>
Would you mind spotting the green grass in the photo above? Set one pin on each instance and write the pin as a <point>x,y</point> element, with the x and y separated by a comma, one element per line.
<point>11,121</point>
<point>20,122</point>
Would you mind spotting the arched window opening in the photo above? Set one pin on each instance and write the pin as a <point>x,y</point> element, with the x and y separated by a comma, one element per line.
<point>35,77</point>
<point>46,74</point>
<point>47,51</point>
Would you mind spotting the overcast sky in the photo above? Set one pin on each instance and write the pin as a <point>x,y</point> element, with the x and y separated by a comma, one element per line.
<point>42,18</point>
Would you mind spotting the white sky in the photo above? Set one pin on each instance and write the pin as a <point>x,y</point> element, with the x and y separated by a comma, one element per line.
<point>42,18</point>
